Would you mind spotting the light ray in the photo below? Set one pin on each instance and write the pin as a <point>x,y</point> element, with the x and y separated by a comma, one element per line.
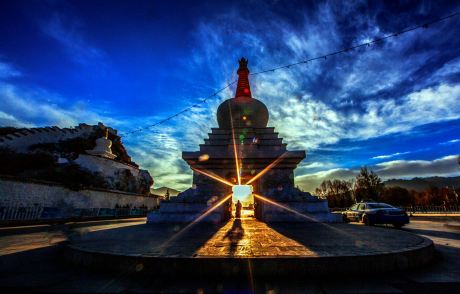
<point>284,207</point>
<point>222,201</point>
<point>300,214</point>
<point>266,169</point>
<point>251,276</point>
<point>237,162</point>
<point>194,222</point>
<point>213,176</point>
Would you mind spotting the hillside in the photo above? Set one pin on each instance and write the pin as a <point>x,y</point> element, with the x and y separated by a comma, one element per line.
<point>420,184</point>
<point>162,191</point>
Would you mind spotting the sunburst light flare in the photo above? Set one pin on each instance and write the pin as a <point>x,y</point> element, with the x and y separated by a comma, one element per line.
<point>235,152</point>
<point>265,199</point>
<point>266,169</point>
<point>195,221</point>
<point>207,212</point>
<point>213,176</point>
<point>311,219</point>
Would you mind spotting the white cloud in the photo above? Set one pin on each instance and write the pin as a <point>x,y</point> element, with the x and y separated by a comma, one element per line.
<point>160,150</point>
<point>429,105</point>
<point>68,32</point>
<point>308,123</point>
<point>160,153</point>
<point>445,166</point>
<point>11,121</point>
<point>26,108</point>
<point>449,68</point>
<point>8,71</point>
<point>317,164</point>
<point>453,141</point>
<point>390,155</point>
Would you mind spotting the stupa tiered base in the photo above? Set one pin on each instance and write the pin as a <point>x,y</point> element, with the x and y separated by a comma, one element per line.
<point>248,246</point>
<point>308,210</point>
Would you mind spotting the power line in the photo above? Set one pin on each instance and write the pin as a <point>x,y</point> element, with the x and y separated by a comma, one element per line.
<point>286,66</point>
<point>366,44</point>
<point>178,113</point>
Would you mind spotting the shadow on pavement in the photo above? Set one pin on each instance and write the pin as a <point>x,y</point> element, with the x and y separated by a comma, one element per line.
<point>234,234</point>
<point>147,239</point>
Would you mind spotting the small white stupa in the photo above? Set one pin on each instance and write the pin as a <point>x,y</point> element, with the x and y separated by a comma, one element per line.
<point>103,147</point>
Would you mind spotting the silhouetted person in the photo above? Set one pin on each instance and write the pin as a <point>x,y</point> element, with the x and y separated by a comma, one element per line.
<point>238,209</point>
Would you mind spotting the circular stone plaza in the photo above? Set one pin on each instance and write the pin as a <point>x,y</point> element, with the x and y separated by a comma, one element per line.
<point>248,246</point>
<point>282,231</point>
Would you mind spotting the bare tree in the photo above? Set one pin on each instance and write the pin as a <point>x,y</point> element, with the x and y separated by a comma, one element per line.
<point>368,185</point>
<point>339,193</point>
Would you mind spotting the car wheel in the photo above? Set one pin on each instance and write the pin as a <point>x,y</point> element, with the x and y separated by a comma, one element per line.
<point>345,218</point>
<point>367,221</point>
<point>398,226</point>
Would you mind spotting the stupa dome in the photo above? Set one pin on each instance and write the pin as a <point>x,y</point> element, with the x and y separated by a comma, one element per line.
<point>243,110</point>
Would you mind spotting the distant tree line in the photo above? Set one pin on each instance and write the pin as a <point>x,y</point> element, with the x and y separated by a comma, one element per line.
<point>367,186</point>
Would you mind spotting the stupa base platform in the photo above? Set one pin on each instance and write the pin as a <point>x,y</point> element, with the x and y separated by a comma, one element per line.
<point>321,217</point>
<point>305,211</point>
<point>181,217</point>
<point>185,212</point>
<point>248,246</point>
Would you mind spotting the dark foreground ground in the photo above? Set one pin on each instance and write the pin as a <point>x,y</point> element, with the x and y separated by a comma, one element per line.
<point>31,260</point>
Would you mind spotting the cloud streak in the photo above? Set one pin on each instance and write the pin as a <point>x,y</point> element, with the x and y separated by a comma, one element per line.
<point>390,155</point>
<point>22,107</point>
<point>68,31</point>
<point>8,71</point>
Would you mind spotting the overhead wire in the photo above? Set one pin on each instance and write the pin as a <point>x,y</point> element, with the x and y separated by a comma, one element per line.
<point>306,61</point>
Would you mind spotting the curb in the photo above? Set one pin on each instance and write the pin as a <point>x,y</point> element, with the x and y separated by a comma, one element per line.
<point>455,226</point>
<point>60,221</point>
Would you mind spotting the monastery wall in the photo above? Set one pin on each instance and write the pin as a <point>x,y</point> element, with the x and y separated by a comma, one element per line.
<point>44,201</point>
<point>107,167</point>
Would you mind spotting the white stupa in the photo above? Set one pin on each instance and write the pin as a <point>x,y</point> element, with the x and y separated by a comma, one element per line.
<point>103,147</point>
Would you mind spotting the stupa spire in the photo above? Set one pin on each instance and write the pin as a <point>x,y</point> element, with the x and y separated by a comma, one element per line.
<point>243,88</point>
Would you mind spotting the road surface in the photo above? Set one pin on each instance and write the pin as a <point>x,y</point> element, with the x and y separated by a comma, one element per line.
<point>31,260</point>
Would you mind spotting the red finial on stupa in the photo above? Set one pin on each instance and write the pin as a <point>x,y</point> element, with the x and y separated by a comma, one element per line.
<point>243,89</point>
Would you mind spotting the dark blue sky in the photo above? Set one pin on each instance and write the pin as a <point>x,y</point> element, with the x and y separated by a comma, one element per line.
<point>393,106</point>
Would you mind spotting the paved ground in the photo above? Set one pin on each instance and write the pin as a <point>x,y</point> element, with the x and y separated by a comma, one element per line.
<point>248,237</point>
<point>31,261</point>
<point>21,239</point>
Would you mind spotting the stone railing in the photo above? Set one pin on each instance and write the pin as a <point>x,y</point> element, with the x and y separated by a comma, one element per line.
<point>20,213</point>
<point>433,209</point>
<point>425,209</point>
